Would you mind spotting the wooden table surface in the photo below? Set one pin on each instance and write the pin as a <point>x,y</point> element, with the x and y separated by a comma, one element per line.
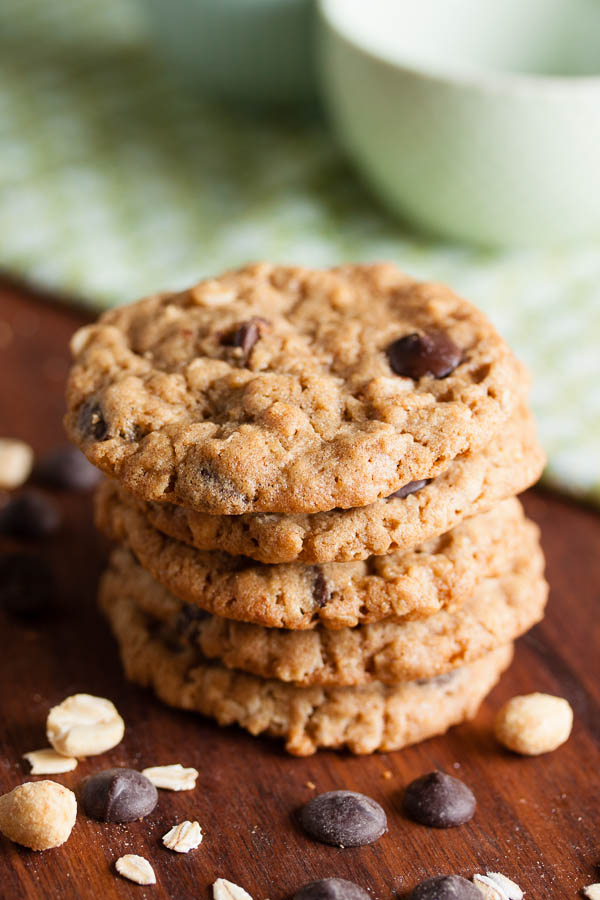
<point>537,820</point>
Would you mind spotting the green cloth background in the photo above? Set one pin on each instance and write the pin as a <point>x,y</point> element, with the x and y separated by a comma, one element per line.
<point>114,183</point>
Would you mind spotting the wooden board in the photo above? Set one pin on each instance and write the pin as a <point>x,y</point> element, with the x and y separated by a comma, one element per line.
<point>537,819</point>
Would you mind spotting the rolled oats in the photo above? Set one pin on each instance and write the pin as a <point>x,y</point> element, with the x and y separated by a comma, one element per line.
<point>512,890</point>
<point>84,725</point>
<point>38,814</point>
<point>49,762</point>
<point>534,723</point>
<point>183,837</point>
<point>172,778</point>
<point>488,889</point>
<point>135,868</point>
<point>227,890</point>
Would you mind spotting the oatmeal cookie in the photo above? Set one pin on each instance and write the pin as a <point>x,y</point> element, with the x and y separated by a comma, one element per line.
<point>282,389</point>
<point>439,574</point>
<point>500,610</point>
<point>473,483</point>
<point>363,719</point>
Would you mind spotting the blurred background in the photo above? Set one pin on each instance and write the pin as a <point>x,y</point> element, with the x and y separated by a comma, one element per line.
<point>145,144</point>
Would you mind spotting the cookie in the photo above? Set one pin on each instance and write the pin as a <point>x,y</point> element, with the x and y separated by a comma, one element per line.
<point>473,483</point>
<point>363,719</point>
<point>500,610</point>
<point>438,574</point>
<point>281,389</point>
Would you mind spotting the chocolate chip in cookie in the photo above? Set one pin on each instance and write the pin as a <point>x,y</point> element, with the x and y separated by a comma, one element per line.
<point>245,335</point>
<point>188,621</point>
<point>430,353</point>
<point>439,800</point>
<point>91,422</point>
<point>410,488</point>
<point>321,592</point>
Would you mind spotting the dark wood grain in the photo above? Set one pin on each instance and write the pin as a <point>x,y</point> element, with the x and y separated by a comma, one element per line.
<point>537,819</point>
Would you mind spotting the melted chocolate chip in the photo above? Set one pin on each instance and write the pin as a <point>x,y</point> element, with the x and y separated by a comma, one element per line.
<point>66,468</point>
<point>344,819</point>
<point>439,800</point>
<point>27,586</point>
<point>331,889</point>
<point>431,353</point>
<point>245,335</point>
<point>29,515</point>
<point>118,795</point>
<point>320,590</point>
<point>410,488</point>
<point>91,421</point>
<point>445,887</point>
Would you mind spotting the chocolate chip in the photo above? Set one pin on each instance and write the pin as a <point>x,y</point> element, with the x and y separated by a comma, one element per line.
<point>68,469</point>
<point>91,421</point>
<point>27,586</point>
<point>29,515</point>
<point>245,335</point>
<point>118,795</point>
<point>439,800</point>
<point>410,488</point>
<point>188,621</point>
<point>331,889</point>
<point>320,590</point>
<point>343,818</point>
<point>445,887</point>
<point>431,353</point>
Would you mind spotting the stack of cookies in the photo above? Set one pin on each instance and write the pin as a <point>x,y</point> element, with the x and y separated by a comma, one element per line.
<point>312,479</point>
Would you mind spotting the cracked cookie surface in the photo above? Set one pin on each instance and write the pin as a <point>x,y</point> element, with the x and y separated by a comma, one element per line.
<point>282,389</point>
<point>511,462</point>
<point>438,574</point>
<point>363,719</point>
<point>499,611</point>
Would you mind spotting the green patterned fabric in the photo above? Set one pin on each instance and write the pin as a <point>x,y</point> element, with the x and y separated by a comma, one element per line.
<point>114,183</point>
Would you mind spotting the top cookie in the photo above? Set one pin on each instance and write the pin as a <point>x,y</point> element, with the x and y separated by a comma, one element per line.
<point>281,389</point>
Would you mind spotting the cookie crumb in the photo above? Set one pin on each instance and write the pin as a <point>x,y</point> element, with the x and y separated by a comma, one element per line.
<point>183,837</point>
<point>84,725</point>
<point>38,814</point>
<point>534,723</point>
<point>227,890</point>
<point>16,462</point>
<point>135,868</point>
<point>310,785</point>
<point>387,774</point>
<point>592,891</point>
<point>172,778</point>
<point>49,762</point>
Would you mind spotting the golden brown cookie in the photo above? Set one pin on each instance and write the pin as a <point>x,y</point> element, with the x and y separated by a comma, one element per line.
<point>500,610</point>
<point>511,462</point>
<point>363,719</point>
<point>439,574</point>
<point>282,389</point>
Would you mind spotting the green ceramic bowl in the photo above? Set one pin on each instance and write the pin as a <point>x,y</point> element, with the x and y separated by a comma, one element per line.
<point>248,50</point>
<point>476,119</point>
